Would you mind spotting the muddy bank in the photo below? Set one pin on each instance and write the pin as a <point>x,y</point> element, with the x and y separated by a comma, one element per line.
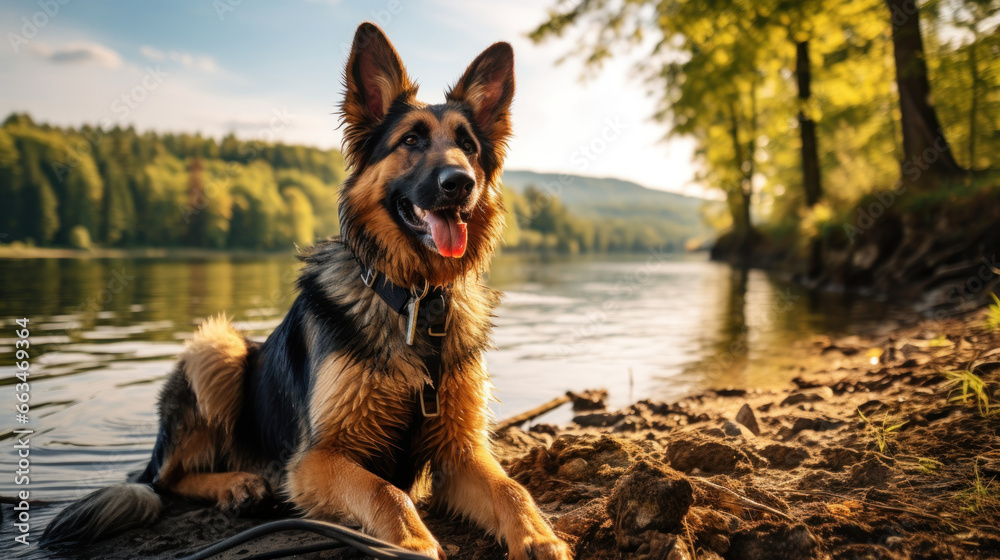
<point>870,453</point>
<point>942,251</point>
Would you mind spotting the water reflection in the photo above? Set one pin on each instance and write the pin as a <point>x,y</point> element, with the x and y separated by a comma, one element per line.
<point>105,332</point>
<point>731,350</point>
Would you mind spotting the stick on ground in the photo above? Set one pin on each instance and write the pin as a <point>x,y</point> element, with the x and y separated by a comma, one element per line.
<point>533,413</point>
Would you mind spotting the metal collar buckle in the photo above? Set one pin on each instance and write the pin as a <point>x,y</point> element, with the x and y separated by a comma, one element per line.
<point>427,287</point>
<point>436,406</point>
<point>368,276</point>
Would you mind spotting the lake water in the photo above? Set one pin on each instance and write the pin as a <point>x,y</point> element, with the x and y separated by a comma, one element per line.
<point>104,333</point>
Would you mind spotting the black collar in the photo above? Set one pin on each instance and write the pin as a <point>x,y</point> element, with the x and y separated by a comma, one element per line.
<point>394,295</point>
<point>430,325</point>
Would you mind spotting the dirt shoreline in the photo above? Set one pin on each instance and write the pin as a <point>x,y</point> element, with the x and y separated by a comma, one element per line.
<point>807,455</point>
<point>801,476</point>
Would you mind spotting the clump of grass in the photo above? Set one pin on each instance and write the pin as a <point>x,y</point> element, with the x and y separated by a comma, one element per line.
<point>965,386</point>
<point>982,496</point>
<point>993,314</point>
<point>922,465</point>
<point>939,341</point>
<point>880,433</point>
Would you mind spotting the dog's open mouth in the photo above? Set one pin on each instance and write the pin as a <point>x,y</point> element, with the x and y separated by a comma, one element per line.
<point>443,229</point>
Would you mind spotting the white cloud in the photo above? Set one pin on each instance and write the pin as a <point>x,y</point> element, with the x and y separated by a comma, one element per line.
<point>204,63</point>
<point>81,53</point>
<point>151,53</point>
<point>182,102</point>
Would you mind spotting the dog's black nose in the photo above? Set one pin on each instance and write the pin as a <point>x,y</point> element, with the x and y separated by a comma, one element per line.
<point>456,184</point>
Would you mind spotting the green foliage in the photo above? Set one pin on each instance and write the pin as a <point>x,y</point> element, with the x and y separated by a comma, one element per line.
<point>964,71</point>
<point>939,341</point>
<point>301,212</point>
<point>880,433</point>
<point>993,314</point>
<point>965,386</point>
<point>725,75</point>
<point>119,207</point>
<point>928,466</point>
<point>920,465</point>
<point>321,197</point>
<point>125,189</point>
<point>79,238</point>
<point>11,184</point>
<point>981,496</point>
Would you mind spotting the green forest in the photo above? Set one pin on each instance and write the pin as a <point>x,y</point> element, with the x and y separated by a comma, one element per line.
<point>813,118</point>
<point>121,188</point>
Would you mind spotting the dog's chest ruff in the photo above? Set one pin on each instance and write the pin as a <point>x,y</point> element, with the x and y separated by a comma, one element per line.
<point>426,314</point>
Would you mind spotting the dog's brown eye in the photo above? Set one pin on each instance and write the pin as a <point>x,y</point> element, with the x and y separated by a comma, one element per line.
<point>468,146</point>
<point>410,139</point>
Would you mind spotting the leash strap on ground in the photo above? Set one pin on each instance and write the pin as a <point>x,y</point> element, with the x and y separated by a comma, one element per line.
<point>341,535</point>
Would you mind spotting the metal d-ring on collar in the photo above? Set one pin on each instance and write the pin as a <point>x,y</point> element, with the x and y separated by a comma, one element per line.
<point>368,276</point>
<point>430,308</point>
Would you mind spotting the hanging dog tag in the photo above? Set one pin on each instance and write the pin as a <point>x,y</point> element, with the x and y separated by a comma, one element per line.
<point>412,308</point>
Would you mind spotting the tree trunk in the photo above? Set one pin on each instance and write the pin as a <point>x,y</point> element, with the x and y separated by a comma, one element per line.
<point>741,215</point>
<point>807,128</point>
<point>746,240</point>
<point>924,145</point>
<point>194,214</point>
<point>749,168</point>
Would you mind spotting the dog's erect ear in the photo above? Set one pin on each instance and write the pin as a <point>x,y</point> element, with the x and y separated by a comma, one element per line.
<point>488,86</point>
<point>375,77</point>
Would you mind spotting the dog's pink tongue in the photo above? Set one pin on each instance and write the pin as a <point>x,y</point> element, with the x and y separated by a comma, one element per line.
<point>448,231</point>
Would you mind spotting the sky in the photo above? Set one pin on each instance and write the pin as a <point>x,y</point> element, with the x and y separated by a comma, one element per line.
<point>272,71</point>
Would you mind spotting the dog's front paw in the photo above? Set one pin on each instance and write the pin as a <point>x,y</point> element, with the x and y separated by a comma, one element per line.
<point>541,547</point>
<point>245,491</point>
<point>426,546</point>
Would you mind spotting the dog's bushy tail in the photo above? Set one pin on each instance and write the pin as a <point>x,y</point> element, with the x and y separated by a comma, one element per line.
<point>102,514</point>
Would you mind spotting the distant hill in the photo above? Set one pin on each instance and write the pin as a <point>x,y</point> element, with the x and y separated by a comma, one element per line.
<point>607,197</point>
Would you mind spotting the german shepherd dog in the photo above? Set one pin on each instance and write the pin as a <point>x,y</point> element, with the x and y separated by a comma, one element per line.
<point>357,393</point>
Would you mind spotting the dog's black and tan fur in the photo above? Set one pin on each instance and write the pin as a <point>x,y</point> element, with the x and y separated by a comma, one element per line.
<point>325,411</point>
